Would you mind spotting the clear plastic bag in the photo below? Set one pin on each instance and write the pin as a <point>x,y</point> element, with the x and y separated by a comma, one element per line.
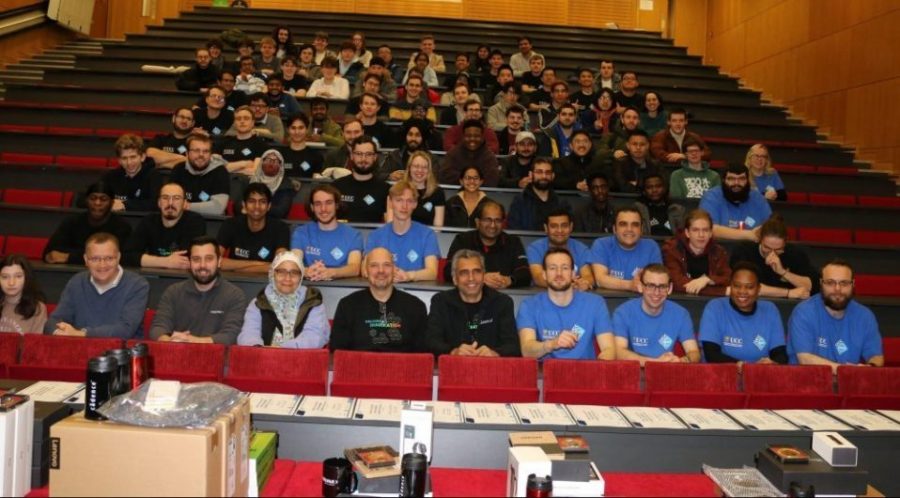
<point>198,405</point>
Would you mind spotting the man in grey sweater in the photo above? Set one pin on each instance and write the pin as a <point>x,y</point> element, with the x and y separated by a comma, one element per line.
<point>204,309</point>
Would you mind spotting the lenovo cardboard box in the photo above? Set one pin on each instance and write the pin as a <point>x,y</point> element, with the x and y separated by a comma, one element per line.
<point>90,458</point>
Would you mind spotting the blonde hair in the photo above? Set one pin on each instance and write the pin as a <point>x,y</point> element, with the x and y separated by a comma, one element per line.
<point>431,183</point>
<point>402,186</point>
<point>768,170</point>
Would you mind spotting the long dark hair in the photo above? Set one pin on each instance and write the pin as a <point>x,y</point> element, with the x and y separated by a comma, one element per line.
<point>31,293</point>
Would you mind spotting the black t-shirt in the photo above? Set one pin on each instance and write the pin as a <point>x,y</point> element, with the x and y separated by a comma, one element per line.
<point>364,202</point>
<point>424,212</point>
<point>232,101</point>
<point>216,127</point>
<point>585,101</point>
<point>539,96</point>
<point>151,237</point>
<point>243,244</point>
<point>381,132</point>
<point>636,100</point>
<point>531,80</point>
<point>236,149</point>
<point>169,143</point>
<point>301,163</point>
<point>199,188</point>
<point>74,231</point>
<point>793,259</point>
<point>659,217</point>
<point>298,82</point>
<point>139,192</point>
<point>363,324</point>
<point>697,266</point>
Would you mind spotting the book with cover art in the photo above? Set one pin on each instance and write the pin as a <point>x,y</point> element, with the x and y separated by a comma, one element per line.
<point>374,461</point>
<point>789,454</point>
<point>544,440</point>
<point>572,443</point>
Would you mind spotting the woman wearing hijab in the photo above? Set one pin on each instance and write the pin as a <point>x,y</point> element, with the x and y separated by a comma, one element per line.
<point>270,172</point>
<point>286,314</point>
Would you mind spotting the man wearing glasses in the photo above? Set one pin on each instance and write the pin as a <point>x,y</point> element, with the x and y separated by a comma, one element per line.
<point>204,177</point>
<point>831,328</point>
<point>161,239</point>
<point>648,327</point>
<point>364,197</point>
<point>215,119</point>
<point>105,300</point>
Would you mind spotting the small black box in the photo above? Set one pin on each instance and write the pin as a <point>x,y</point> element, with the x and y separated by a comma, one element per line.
<point>571,469</point>
<point>826,479</point>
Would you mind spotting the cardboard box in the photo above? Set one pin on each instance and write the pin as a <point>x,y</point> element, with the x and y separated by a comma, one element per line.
<point>234,433</point>
<point>524,461</point>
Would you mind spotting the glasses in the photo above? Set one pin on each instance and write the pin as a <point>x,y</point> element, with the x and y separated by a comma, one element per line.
<point>471,178</point>
<point>759,156</point>
<point>364,154</point>
<point>656,288</point>
<point>288,273</point>
<point>199,151</point>
<point>837,283</point>
<point>101,259</point>
<point>492,221</point>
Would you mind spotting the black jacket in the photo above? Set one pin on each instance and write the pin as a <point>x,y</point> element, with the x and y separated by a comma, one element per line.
<point>196,78</point>
<point>506,256</point>
<point>494,325</point>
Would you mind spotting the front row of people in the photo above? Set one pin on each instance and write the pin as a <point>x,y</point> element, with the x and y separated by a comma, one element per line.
<point>469,319</point>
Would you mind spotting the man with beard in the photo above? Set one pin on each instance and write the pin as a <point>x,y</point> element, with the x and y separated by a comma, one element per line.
<point>249,242</point>
<point>617,261</point>
<point>471,319</point>
<point>249,80</point>
<point>694,177</point>
<point>598,215</point>
<point>205,309</point>
<point>137,181</point>
<point>201,75</point>
<point>628,95</point>
<point>562,131</point>
<point>242,147</point>
<point>514,117</point>
<point>562,323</point>
<point>831,328</point>
<point>280,103</point>
<point>380,318</point>
<point>364,197</point>
<point>529,209</point>
<point>214,118</point>
<point>515,170</point>
<point>571,171</point>
<point>168,150</point>
<point>66,245</point>
<point>233,99</point>
<point>737,211</point>
<point>505,262</point>
<point>631,170</point>
<point>204,177</point>
<point>323,128</point>
<point>161,239</point>
<point>329,249</point>
<point>474,111</point>
<point>616,143</point>
<point>473,151</point>
<point>648,327</point>
<point>668,145</point>
<point>340,157</point>
<point>559,96</point>
<point>659,217</point>
<point>558,228</point>
<point>416,133</point>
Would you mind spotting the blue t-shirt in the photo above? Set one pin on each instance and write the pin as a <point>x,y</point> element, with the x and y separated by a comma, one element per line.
<point>332,247</point>
<point>409,249</point>
<point>579,250</point>
<point>744,338</point>
<point>586,316</point>
<point>852,339</point>
<point>752,213</point>
<point>624,263</point>
<point>764,181</point>
<point>651,336</point>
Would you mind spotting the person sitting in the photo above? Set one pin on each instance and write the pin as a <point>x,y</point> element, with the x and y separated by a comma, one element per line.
<point>617,261</point>
<point>161,239</point>
<point>22,307</point>
<point>631,171</point>
<point>233,99</point>
<point>340,157</point>
<point>572,170</point>
<point>660,217</point>
<point>515,170</point>
<point>503,75</point>
<point>266,61</point>
<point>529,209</point>
<point>427,46</point>
<point>763,176</point>
<point>648,327</point>
<point>548,114</point>
<point>531,77</point>
<point>413,95</point>
<point>136,182</point>
<point>421,65</point>
<point>203,309</point>
<point>585,97</point>
<point>654,117</point>
<point>168,150</point>
<point>598,215</point>
<point>461,209</point>
<point>105,300</point>
<point>284,41</point>
<point>201,75</point>
<point>67,243</point>
<point>481,61</point>
<point>561,132</point>
<point>472,151</point>
<point>204,177</point>
<point>505,261</point>
<point>214,118</point>
<point>608,77</point>
<point>785,269</point>
<point>461,68</point>
<point>694,178</point>
<point>737,211</point>
<point>241,147</point>
<point>368,116</point>
<point>371,84</point>
<point>264,124</point>
<point>667,146</point>
<point>329,249</point>
<point>293,83</point>
<point>387,87</point>
<point>250,241</point>
<point>416,135</point>
<point>455,113</point>
<point>628,94</point>
<point>361,54</point>
<point>832,328</point>
<point>498,114</point>
<point>696,263</point>
<point>320,43</point>
<point>430,206</point>
<point>330,85</point>
<point>286,314</point>
<point>215,47</point>
<point>306,63</point>
<point>248,80</point>
<point>540,97</point>
<point>454,135</point>
<point>271,173</point>
<point>322,127</point>
<point>562,323</point>
<point>390,65</point>
<point>601,118</point>
<point>615,143</point>
<point>245,48</point>
<point>414,245</point>
<point>381,317</point>
<point>740,328</point>
<point>558,228</point>
<point>300,160</point>
<point>520,61</point>
<point>348,67</point>
<point>363,196</point>
<point>280,104</point>
<point>471,319</point>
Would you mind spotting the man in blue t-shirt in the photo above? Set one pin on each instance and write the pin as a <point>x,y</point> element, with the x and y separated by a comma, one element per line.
<point>558,227</point>
<point>737,211</point>
<point>617,261</point>
<point>329,249</point>
<point>563,322</point>
<point>414,245</point>
<point>831,328</point>
<point>647,328</point>
<point>739,328</point>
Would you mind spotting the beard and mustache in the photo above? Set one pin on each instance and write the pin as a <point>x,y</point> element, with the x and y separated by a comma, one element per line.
<point>738,197</point>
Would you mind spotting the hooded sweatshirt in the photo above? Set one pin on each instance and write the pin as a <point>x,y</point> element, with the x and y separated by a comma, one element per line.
<point>689,183</point>
<point>206,190</point>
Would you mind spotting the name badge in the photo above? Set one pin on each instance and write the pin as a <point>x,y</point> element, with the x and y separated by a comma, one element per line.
<point>246,152</point>
<point>750,222</point>
<point>369,199</point>
<point>204,196</point>
<point>428,206</point>
<point>305,166</point>
<point>182,149</point>
<point>263,253</point>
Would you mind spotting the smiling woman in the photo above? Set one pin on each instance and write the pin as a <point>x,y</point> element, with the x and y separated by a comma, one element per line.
<point>23,309</point>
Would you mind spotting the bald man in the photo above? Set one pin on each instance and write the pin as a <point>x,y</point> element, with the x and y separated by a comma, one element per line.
<point>380,318</point>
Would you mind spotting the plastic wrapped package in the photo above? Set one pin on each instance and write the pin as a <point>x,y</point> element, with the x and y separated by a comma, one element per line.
<point>197,405</point>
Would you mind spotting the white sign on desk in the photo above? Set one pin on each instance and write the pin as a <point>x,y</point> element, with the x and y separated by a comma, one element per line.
<point>543,414</point>
<point>489,413</point>
<point>52,391</point>
<point>706,419</point>
<point>326,406</point>
<point>597,416</point>
<point>867,420</point>
<point>386,410</point>
<point>891,414</point>
<point>273,404</point>
<point>761,420</point>
<point>813,420</point>
<point>445,412</point>
<point>651,418</point>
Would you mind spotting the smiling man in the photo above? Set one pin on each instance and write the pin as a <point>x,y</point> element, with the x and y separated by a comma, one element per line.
<point>161,239</point>
<point>617,261</point>
<point>67,244</point>
<point>738,212</point>
<point>250,241</point>
<point>329,249</point>
<point>558,228</point>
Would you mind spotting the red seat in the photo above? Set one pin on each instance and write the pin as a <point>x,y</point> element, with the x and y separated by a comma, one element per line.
<point>614,383</point>
<point>31,247</point>
<point>869,388</point>
<point>229,208</point>
<point>69,130</point>
<point>298,212</point>
<point>2,245</point>
<point>9,350</point>
<point>442,264</point>
<point>479,379</point>
<point>797,197</point>
<point>148,321</point>
<point>82,161</point>
<point>48,357</point>
<point>877,237</point>
<point>360,374</point>
<point>831,235</point>
<point>891,348</point>
<point>19,128</point>
<point>833,199</point>
<point>795,168</point>
<point>879,201</point>
<point>23,158</point>
<point>278,370</point>
<point>682,385</point>
<point>49,198</point>
<point>790,387</point>
<point>186,362</point>
<point>792,233</point>
<point>876,285</point>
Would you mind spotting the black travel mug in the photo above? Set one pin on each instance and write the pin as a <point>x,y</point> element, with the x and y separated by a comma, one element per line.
<point>413,474</point>
<point>101,375</point>
<point>140,372</point>
<point>338,477</point>
<point>123,376</point>
<point>539,487</point>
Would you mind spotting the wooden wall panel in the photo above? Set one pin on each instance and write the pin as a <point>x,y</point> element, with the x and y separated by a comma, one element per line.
<point>688,25</point>
<point>15,4</point>
<point>29,42</point>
